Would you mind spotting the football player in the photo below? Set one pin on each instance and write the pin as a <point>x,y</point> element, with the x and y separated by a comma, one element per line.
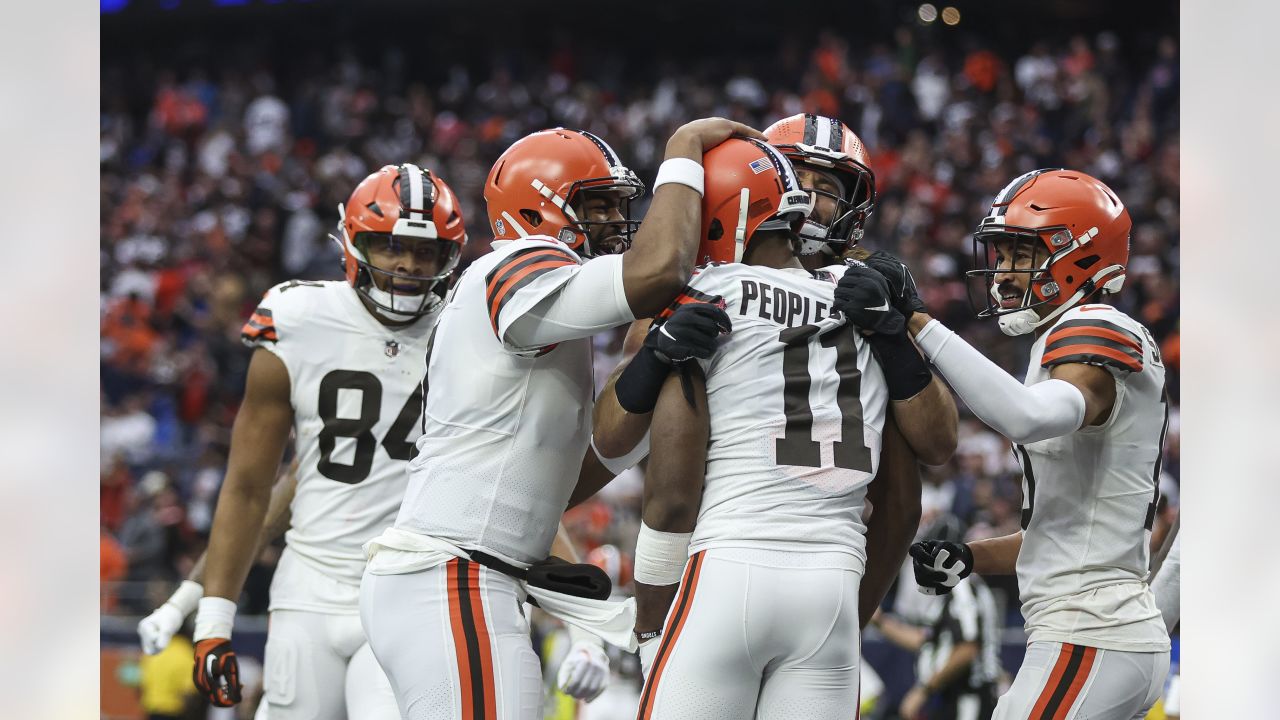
<point>832,167</point>
<point>508,418</point>
<point>754,492</point>
<point>339,363</point>
<point>1088,427</point>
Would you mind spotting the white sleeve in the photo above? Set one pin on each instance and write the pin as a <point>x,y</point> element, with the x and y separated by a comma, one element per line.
<point>1023,414</point>
<point>619,465</point>
<point>570,302</point>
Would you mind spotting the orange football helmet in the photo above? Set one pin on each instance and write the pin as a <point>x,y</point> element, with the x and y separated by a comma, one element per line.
<point>826,144</point>
<point>533,185</point>
<point>401,202</point>
<point>1081,224</point>
<point>748,186</point>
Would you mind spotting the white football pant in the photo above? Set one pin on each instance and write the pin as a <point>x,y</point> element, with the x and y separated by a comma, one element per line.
<point>319,667</point>
<point>454,643</point>
<point>1060,681</point>
<point>761,634</point>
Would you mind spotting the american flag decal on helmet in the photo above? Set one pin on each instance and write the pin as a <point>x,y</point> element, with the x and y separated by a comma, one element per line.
<point>760,165</point>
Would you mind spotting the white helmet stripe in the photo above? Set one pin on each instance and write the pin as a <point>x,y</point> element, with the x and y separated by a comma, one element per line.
<point>824,133</point>
<point>414,180</point>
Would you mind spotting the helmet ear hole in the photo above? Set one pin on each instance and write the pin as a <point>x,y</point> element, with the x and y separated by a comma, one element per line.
<point>533,218</point>
<point>1087,262</point>
<point>715,231</point>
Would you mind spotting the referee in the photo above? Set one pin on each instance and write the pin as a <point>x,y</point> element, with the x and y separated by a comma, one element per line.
<point>957,652</point>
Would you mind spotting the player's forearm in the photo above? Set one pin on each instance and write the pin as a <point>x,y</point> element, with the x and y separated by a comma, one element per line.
<point>895,494</point>
<point>592,476</point>
<point>907,637</point>
<point>958,662</point>
<point>275,525</point>
<point>279,513</point>
<point>929,423</point>
<point>661,259</point>
<point>677,465</point>
<point>996,556</point>
<point>1023,414</point>
<point>233,540</point>
<point>652,604</point>
<point>615,431</point>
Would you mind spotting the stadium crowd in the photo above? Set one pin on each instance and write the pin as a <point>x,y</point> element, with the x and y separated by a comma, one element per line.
<point>221,178</point>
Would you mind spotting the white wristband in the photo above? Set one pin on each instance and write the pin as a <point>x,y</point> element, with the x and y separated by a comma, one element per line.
<point>680,170</point>
<point>187,597</point>
<point>660,556</point>
<point>214,618</point>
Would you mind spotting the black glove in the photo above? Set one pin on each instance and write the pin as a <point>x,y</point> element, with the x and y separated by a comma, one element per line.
<point>940,566</point>
<point>862,296</point>
<point>217,672</point>
<point>902,286</point>
<point>689,333</point>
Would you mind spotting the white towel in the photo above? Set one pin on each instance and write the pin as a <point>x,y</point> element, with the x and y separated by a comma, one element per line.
<point>398,552</point>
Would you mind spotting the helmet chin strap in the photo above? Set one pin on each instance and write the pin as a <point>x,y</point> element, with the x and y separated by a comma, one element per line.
<point>740,233</point>
<point>394,300</point>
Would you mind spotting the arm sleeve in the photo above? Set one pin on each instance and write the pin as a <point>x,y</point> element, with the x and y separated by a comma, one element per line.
<point>555,300</point>
<point>1023,414</point>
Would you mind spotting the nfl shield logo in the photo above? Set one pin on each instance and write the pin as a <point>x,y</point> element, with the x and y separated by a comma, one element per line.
<point>392,349</point>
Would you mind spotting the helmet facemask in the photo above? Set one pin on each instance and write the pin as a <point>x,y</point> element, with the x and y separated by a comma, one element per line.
<point>400,302</point>
<point>852,203</point>
<point>1042,289</point>
<point>623,183</point>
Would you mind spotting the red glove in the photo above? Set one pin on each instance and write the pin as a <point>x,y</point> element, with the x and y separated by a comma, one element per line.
<point>217,673</point>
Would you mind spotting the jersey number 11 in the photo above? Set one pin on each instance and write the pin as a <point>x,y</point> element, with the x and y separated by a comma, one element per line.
<point>797,446</point>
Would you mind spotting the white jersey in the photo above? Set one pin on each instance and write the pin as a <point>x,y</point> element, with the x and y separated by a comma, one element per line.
<point>508,423</point>
<point>797,406</point>
<point>1089,498</point>
<point>356,390</point>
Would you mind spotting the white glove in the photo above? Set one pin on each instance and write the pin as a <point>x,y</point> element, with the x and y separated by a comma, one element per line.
<point>156,629</point>
<point>647,651</point>
<point>584,673</point>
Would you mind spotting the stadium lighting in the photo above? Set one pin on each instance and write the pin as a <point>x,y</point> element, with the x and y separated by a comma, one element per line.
<point>950,15</point>
<point>927,13</point>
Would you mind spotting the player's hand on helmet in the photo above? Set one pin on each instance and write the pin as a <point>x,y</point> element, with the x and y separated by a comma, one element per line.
<point>862,297</point>
<point>710,132</point>
<point>584,673</point>
<point>156,629</point>
<point>940,566</point>
<point>903,294</point>
<point>217,672</point>
<point>691,332</point>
